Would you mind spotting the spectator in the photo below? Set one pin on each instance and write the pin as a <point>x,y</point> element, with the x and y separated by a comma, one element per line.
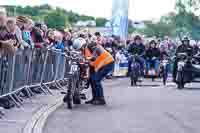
<point>99,39</point>
<point>44,28</point>
<point>50,37</point>
<point>59,44</point>
<point>20,21</point>
<point>37,36</point>
<point>6,46</point>
<point>68,40</point>
<point>11,28</point>
<point>26,33</point>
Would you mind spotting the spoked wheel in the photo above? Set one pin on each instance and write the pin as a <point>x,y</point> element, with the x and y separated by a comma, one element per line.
<point>134,79</point>
<point>68,100</point>
<point>69,104</point>
<point>180,80</point>
<point>164,81</point>
<point>133,82</point>
<point>164,77</point>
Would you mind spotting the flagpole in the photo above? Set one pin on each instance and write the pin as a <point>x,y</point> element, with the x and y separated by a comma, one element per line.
<point>15,8</point>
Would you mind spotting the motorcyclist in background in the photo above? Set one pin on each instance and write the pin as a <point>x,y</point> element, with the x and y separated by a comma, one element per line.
<point>137,48</point>
<point>185,47</point>
<point>152,56</point>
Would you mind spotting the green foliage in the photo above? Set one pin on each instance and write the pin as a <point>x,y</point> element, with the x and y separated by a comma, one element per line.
<point>131,30</point>
<point>44,12</point>
<point>159,29</point>
<point>184,22</point>
<point>56,20</point>
<point>85,18</point>
<point>187,5</point>
<point>100,22</point>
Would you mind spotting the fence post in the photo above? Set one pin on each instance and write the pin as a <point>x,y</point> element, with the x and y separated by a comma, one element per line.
<point>43,71</point>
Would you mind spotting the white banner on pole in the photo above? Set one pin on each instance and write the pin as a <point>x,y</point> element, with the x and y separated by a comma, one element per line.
<point>120,18</point>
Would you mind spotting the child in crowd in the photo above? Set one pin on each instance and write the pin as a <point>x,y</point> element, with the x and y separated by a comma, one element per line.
<point>26,33</point>
<point>59,44</point>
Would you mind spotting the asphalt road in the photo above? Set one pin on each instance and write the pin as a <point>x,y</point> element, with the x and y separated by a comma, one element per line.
<point>150,108</point>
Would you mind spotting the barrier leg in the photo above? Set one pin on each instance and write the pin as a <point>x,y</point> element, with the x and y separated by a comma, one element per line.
<point>16,103</point>
<point>56,85</point>
<point>47,88</point>
<point>18,99</point>
<point>29,93</point>
<point>59,85</point>
<point>42,89</point>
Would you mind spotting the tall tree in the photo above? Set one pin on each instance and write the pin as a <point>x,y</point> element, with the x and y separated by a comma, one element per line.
<point>186,21</point>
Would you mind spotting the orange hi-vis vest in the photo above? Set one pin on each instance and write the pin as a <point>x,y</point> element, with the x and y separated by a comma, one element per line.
<point>103,59</point>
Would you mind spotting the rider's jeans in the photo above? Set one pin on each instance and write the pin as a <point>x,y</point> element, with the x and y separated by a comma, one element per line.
<point>154,62</point>
<point>97,77</point>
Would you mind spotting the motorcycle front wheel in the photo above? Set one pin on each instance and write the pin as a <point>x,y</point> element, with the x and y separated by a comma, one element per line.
<point>164,76</point>
<point>134,82</point>
<point>180,80</point>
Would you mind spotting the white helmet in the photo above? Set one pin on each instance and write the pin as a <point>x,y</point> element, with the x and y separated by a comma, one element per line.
<point>78,43</point>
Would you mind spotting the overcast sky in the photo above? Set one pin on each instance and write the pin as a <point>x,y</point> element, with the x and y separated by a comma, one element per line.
<point>138,9</point>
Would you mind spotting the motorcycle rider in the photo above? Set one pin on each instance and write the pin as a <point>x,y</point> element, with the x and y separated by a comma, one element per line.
<point>103,63</point>
<point>185,47</point>
<point>137,48</point>
<point>152,56</point>
<point>81,44</point>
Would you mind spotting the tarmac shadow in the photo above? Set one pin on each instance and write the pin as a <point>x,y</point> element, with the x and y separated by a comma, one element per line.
<point>146,85</point>
<point>191,89</point>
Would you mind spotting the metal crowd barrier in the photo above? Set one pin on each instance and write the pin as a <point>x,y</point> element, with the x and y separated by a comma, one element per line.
<point>33,68</point>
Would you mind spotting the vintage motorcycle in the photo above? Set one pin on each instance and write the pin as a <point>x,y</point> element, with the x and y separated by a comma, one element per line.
<point>135,70</point>
<point>77,81</point>
<point>188,70</point>
<point>164,69</point>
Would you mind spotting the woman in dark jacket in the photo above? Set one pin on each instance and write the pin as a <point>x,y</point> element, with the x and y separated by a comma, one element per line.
<point>152,56</point>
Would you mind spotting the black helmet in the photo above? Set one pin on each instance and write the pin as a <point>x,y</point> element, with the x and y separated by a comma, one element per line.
<point>186,38</point>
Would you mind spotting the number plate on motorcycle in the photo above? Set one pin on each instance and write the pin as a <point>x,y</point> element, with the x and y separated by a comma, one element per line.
<point>152,72</point>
